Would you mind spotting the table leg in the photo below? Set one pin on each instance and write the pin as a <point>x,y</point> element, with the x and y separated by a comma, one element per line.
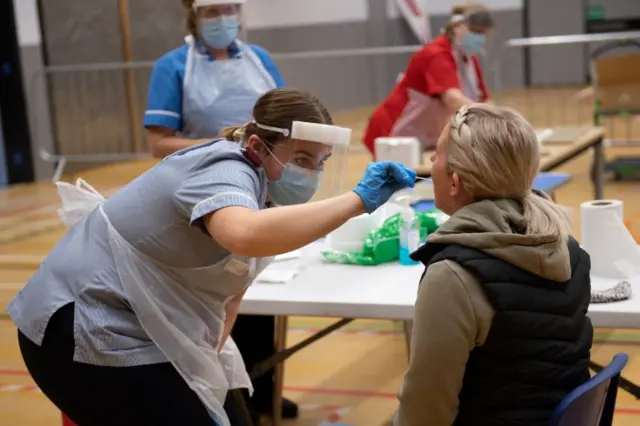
<point>278,383</point>
<point>407,326</point>
<point>598,172</point>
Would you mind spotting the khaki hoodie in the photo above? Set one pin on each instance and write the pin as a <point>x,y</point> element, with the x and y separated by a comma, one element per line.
<point>452,315</point>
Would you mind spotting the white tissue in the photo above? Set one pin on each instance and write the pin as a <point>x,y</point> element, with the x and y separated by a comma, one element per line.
<point>614,252</point>
<point>350,236</point>
<point>276,276</point>
<point>296,254</point>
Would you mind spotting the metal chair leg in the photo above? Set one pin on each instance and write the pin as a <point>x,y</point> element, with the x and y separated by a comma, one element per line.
<point>407,326</point>
<point>278,382</point>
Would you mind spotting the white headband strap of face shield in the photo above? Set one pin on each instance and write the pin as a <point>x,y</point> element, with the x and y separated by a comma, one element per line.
<point>313,132</point>
<point>285,132</point>
<point>203,3</point>
<point>458,18</point>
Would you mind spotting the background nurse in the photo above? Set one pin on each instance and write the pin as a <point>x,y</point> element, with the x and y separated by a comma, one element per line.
<point>209,83</point>
<point>440,78</point>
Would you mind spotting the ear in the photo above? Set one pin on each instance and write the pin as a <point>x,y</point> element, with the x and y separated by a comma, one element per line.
<point>255,143</point>
<point>456,185</point>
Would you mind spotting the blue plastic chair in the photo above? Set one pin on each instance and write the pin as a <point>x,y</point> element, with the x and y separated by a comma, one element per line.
<point>593,403</point>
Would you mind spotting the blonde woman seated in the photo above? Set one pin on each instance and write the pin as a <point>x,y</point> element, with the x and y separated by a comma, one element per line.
<point>500,333</point>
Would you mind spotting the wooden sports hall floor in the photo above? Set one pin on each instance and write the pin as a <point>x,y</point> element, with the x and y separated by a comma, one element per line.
<point>351,376</point>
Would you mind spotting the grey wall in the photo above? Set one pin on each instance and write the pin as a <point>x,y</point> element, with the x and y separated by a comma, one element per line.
<point>92,110</point>
<point>348,82</point>
<point>38,109</point>
<point>567,64</point>
<point>32,64</point>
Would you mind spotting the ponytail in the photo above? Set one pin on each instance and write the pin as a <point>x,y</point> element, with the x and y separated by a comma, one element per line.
<point>543,216</point>
<point>233,133</point>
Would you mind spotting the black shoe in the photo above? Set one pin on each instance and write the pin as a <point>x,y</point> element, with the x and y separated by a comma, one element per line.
<point>289,409</point>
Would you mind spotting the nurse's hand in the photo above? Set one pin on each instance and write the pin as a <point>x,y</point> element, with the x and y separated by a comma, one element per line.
<point>381,180</point>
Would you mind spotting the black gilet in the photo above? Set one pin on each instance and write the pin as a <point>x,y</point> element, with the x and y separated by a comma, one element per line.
<point>538,347</point>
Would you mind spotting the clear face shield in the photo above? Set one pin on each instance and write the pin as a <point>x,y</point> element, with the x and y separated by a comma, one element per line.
<point>314,163</point>
<point>221,10</point>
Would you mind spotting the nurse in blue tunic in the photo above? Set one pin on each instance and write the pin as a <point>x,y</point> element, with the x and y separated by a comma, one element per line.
<point>211,82</point>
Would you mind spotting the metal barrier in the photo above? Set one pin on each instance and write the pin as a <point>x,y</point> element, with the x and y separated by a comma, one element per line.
<point>96,110</point>
<point>548,103</point>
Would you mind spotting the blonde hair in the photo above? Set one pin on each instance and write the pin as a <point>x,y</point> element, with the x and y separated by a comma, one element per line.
<point>474,13</point>
<point>279,108</point>
<point>496,153</point>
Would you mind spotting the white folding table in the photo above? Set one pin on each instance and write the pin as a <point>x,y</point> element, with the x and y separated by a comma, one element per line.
<point>374,292</point>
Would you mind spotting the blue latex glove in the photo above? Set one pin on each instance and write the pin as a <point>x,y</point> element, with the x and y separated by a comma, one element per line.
<point>381,180</point>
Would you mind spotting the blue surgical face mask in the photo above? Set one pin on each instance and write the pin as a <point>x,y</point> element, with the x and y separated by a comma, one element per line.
<point>297,185</point>
<point>220,32</point>
<point>473,43</point>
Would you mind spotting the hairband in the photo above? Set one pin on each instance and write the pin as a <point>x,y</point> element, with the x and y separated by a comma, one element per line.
<point>313,132</point>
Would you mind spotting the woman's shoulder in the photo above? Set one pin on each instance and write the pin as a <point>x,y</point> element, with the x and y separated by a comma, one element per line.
<point>202,156</point>
<point>438,49</point>
<point>260,51</point>
<point>174,60</point>
<point>457,288</point>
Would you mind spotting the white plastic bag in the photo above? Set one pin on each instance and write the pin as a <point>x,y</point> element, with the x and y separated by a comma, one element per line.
<point>77,201</point>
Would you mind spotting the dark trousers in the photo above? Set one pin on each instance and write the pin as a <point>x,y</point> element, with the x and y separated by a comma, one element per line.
<point>150,395</point>
<point>254,336</point>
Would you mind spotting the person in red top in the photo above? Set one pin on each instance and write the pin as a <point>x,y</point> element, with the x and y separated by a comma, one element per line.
<point>440,78</point>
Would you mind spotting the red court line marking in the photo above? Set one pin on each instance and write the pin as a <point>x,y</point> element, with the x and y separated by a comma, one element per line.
<point>348,392</point>
<point>14,373</point>
<point>632,411</point>
<point>308,330</point>
<point>329,391</point>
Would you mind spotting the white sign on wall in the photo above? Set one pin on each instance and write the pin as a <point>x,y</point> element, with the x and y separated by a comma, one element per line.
<point>415,14</point>
<point>263,14</point>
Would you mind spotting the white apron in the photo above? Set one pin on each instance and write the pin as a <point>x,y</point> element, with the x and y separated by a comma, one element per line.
<point>218,94</point>
<point>178,308</point>
<point>425,116</point>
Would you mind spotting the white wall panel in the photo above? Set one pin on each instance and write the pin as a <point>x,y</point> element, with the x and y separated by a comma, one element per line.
<point>26,13</point>
<point>443,7</point>
<point>261,14</point>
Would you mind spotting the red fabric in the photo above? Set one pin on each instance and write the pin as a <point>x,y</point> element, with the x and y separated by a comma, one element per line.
<point>66,421</point>
<point>484,93</point>
<point>431,71</point>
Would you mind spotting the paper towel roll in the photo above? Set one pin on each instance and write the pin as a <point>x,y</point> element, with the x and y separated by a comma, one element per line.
<point>407,151</point>
<point>614,252</point>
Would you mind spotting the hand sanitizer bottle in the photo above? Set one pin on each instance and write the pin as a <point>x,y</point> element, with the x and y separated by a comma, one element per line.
<point>409,235</point>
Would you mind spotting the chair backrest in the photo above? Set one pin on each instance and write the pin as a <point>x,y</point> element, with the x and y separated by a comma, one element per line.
<point>593,403</point>
<point>618,82</point>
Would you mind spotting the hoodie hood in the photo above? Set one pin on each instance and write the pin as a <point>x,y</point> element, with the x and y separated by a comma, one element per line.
<point>497,228</point>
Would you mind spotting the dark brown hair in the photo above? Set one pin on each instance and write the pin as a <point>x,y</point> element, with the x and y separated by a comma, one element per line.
<point>191,23</point>
<point>279,108</point>
<point>474,13</point>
